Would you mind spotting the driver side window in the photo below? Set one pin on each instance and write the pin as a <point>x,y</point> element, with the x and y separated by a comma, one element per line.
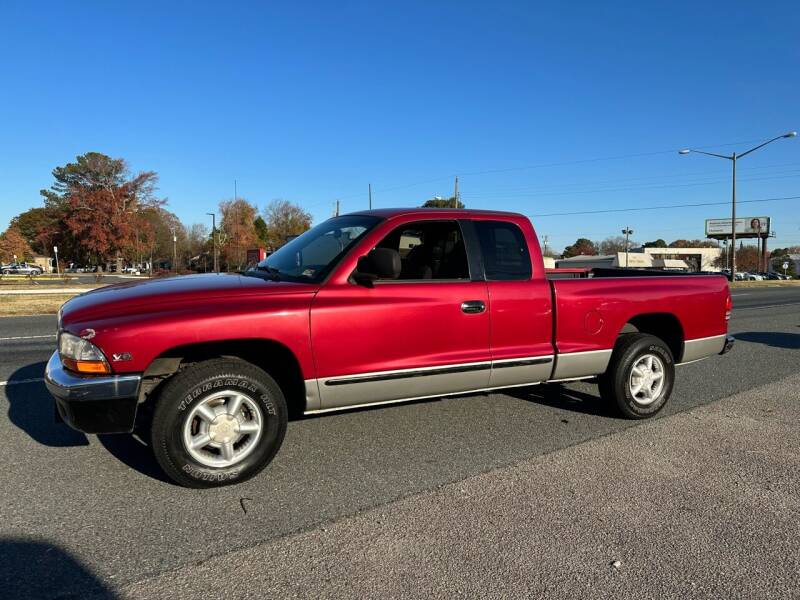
<point>429,250</point>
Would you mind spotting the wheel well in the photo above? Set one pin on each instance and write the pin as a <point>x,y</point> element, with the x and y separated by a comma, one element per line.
<point>664,326</point>
<point>275,358</point>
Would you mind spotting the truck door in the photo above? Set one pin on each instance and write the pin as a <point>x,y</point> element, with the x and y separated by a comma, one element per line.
<point>423,334</point>
<point>520,306</point>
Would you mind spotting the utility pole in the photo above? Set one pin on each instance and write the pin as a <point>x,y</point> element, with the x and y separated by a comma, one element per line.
<point>175,251</point>
<point>455,194</point>
<point>545,239</point>
<point>214,239</point>
<point>370,196</point>
<point>336,214</point>
<point>627,231</point>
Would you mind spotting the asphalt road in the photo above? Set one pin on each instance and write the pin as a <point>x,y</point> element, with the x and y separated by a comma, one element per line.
<point>95,514</point>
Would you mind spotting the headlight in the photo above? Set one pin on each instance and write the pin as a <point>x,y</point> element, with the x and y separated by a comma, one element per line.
<point>81,355</point>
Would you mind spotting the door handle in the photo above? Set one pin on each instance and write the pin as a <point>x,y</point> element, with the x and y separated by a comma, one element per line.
<point>472,307</point>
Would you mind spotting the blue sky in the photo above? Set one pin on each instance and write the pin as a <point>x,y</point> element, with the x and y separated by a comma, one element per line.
<point>538,108</point>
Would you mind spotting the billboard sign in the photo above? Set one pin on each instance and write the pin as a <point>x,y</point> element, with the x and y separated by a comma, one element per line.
<point>745,227</point>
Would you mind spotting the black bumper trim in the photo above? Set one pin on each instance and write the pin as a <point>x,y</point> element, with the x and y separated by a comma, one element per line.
<point>729,340</point>
<point>93,404</point>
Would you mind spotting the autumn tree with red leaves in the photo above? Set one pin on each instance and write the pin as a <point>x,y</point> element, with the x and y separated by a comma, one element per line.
<point>100,202</point>
<point>13,243</point>
<point>237,232</point>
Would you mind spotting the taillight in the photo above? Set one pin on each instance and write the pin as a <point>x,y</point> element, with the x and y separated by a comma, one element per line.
<point>728,306</point>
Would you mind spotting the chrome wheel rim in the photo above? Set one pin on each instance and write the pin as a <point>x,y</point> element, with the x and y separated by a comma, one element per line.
<point>646,381</point>
<point>223,429</point>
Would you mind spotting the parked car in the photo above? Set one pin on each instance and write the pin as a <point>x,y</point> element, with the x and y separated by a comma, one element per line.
<point>753,277</point>
<point>210,366</point>
<point>131,270</point>
<point>21,269</point>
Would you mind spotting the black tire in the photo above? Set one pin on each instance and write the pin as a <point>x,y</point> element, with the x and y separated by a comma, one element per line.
<point>616,384</point>
<point>185,391</point>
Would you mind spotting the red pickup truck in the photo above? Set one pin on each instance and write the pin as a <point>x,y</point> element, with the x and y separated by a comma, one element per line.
<point>364,309</point>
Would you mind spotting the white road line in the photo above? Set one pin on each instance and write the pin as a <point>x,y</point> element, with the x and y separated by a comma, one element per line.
<point>29,337</point>
<point>4,383</point>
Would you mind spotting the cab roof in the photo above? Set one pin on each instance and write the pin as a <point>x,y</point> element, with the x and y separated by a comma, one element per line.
<point>453,213</point>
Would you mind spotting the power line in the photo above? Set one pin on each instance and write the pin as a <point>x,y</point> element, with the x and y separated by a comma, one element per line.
<point>478,196</point>
<point>547,165</point>
<point>662,207</point>
<point>561,185</point>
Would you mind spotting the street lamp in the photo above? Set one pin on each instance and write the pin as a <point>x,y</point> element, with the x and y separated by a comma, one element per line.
<point>174,251</point>
<point>733,158</point>
<point>214,239</point>
<point>627,232</point>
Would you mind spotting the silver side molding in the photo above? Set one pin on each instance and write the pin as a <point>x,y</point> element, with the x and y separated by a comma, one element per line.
<point>581,364</point>
<point>702,348</point>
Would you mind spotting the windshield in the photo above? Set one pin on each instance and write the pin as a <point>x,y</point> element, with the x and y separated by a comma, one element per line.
<point>310,257</point>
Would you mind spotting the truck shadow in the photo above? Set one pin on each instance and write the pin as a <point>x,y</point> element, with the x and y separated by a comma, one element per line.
<point>32,569</point>
<point>776,339</point>
<point>30,407</point>
<point>134,452</point>
<point>557,396</point>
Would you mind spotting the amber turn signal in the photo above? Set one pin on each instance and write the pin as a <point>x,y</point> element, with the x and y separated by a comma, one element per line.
<point>93,367</point>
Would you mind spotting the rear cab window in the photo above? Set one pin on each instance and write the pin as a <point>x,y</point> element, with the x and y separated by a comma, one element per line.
<point>505,251</point>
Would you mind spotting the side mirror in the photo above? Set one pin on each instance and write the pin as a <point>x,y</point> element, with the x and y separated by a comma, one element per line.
<point>380,263</point>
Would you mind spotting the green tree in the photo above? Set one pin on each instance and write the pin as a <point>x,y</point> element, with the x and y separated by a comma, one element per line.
<point>693,244</point>
<point>659,243</point>
<point>781,255</point>
<point>438,202</point>
<point>262,231</point>
<point>43,228</point>
<point>90,171</point>
<point>581,247</point>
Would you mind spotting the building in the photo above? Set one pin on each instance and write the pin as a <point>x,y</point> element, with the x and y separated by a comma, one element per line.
<point>698,259</point>
<point>43,262</point>
<point>633,260</point>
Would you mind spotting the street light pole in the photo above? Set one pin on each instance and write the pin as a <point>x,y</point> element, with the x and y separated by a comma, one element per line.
<point>627,231</point>
<point>733,218</point>
<point>214,239</point>
<point>733,158</point>
<point>175,251</point>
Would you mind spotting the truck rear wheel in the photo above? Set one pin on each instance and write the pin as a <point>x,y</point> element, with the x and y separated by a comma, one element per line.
<point>218,422</point>
<point>639,377</point>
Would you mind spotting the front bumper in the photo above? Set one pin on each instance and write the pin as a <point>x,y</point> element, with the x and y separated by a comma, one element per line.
<point>93,404</point>
<point>728,344</point>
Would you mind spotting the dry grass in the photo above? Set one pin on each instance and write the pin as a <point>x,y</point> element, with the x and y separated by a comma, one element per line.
<point>768,283</point>
<point>19,285</point>
<point>11,306</point>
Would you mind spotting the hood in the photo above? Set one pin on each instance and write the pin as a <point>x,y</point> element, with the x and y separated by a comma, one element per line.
<point>152,294</point>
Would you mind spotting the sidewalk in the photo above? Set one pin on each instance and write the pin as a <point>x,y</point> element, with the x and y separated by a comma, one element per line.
<point>704,504</point>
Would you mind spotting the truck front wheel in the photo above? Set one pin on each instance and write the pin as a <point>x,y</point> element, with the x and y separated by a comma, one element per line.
<point>218,422</point>
<point>639,377</point>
